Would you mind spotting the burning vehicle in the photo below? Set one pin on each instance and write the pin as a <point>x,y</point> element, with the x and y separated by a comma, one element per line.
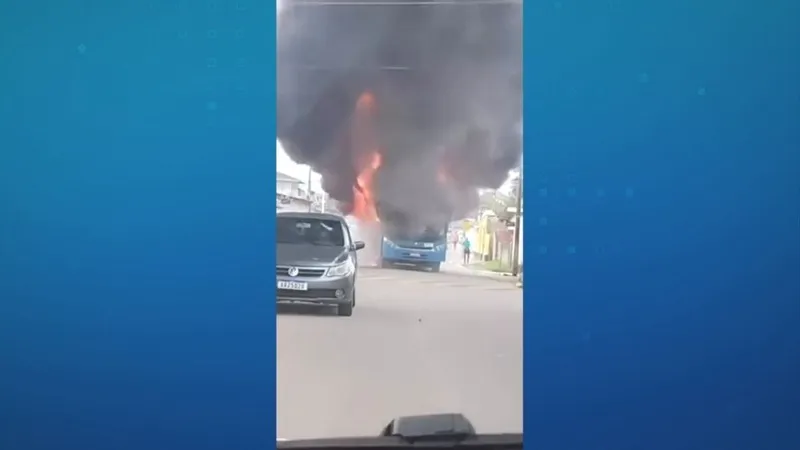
<point>406,108</point>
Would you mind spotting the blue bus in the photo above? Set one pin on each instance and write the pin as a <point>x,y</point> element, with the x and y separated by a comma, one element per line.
<point>425,251</point>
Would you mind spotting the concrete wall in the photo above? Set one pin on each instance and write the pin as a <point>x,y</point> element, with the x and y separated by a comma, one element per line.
<point>289,188</point>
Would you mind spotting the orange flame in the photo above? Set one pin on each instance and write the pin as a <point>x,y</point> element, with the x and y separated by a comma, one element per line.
<point>366,103</point>
<point>364,207</point>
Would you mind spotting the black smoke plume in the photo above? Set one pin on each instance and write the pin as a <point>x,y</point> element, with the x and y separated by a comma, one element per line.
<point>447,83</point>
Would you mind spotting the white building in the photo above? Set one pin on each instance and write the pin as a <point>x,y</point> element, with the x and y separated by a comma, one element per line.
<point>293,195</point>
<point>288,185</point>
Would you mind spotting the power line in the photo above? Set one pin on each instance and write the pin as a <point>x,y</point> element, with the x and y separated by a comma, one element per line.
<point>402,3</point>
<point>384,68</point>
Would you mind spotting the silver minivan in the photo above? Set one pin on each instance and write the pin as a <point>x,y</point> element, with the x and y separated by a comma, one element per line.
<point>317,260</point>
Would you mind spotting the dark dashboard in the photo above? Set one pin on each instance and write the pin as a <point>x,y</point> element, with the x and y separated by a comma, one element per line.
<point>435,431</point>
<point>486,441</point>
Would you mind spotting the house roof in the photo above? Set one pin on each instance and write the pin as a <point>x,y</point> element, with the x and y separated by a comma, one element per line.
<point>280,176</point>
<point>294,198</point>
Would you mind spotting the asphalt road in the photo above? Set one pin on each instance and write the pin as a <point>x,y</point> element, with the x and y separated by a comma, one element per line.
<point>417,343</point>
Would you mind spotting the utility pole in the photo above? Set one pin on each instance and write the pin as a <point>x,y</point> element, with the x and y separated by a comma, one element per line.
<point>517,226</point>
<point>308,193</point>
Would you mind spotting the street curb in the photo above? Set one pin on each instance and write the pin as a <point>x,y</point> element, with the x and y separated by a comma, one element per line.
<point>490,273</point>
<point>455,269</point>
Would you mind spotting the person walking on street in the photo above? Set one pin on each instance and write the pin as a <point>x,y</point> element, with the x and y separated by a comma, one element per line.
<point>455,241</point>
<point>467,249</point>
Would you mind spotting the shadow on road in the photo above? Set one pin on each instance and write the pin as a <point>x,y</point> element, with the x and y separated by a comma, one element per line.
<point>407,269</point>
<point>448,270</point>
<point>304,309</point>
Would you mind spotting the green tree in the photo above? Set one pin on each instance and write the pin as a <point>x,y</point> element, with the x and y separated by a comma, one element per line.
<point>498,203</point>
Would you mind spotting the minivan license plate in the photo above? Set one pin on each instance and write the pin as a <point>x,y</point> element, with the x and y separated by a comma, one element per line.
<point>414,255</point>
<point>293,285</point>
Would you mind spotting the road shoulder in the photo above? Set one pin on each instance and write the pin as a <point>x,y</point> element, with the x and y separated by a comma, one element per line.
<point>458,269</point>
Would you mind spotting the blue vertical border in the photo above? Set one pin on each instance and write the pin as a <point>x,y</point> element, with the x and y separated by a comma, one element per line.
<point>136,225</point>
<point>662,290</point>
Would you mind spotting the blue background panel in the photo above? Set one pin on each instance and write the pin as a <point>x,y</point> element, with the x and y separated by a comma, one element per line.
<point>662,290</point>
<point>137,225</point>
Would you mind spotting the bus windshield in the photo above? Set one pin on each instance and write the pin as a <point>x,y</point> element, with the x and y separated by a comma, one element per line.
<point>430,234</point>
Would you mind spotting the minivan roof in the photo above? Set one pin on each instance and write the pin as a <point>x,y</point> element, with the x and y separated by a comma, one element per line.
<point>311,215</point>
